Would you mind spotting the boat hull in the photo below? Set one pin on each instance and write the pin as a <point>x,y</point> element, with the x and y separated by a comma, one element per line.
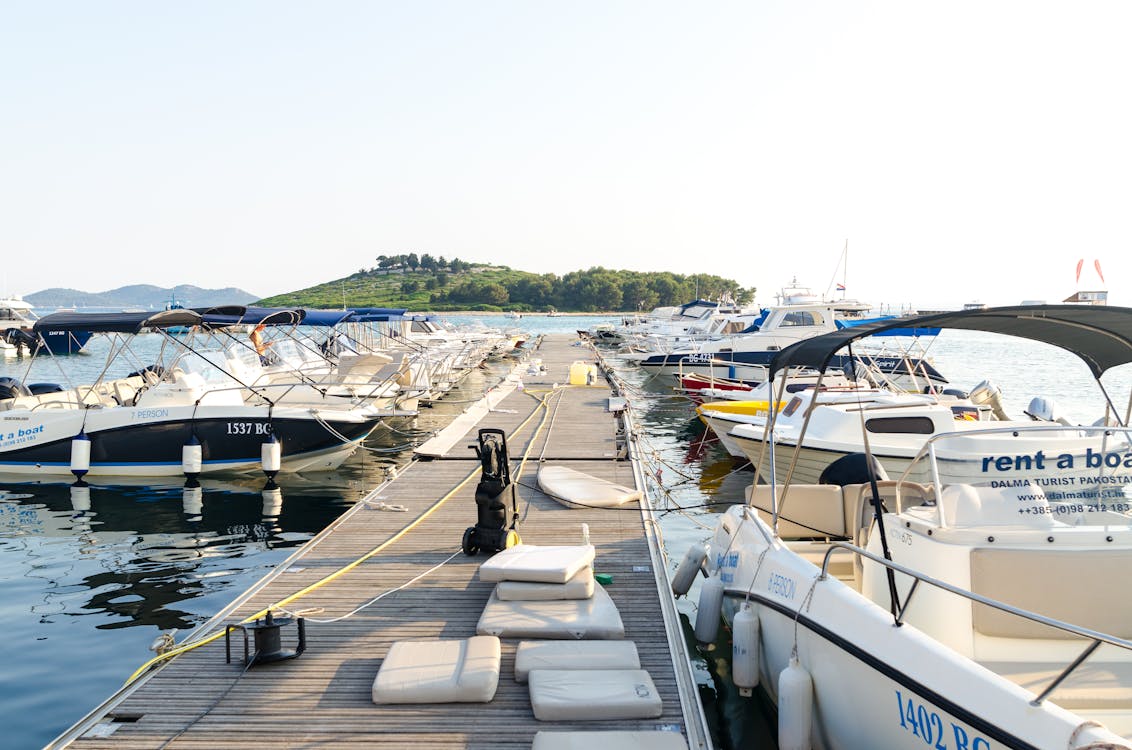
<point>135,441</point>
<point>874,685</point>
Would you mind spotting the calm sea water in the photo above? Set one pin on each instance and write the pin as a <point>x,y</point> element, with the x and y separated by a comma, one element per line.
<point>86,589</point>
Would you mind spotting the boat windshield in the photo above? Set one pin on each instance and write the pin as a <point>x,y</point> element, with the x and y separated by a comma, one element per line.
<point>1042,476</point>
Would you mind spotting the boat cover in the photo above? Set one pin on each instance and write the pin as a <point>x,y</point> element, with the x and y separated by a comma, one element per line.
<point>116,322</point>
<point>1101,335</point>
<point>231,315</point>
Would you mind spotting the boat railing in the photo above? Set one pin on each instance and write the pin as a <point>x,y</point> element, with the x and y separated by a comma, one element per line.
<point>1095,638</point>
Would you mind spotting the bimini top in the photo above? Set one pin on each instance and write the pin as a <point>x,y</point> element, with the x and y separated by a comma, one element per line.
<point>116,322</point>
<point>231,315</point>
<point>1099,335</point>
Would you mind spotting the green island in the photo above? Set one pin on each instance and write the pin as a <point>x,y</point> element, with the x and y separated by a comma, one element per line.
<point>428,283</point>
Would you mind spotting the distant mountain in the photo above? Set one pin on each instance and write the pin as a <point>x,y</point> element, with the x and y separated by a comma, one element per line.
<point>145,296</point>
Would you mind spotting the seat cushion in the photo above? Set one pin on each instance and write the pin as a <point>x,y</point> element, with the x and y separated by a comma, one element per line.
<point>574,655</point>
<point>655,740</point>
<point>529,562</point>
<point>439,671</point>
<point>593,694</point>
<point>596,617</point>
<point>581,586</point>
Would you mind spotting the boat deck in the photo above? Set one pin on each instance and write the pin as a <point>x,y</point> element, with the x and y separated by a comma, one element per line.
<point>322,698</point>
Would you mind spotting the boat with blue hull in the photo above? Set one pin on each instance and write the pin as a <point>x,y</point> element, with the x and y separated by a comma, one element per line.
<point>17,337</point>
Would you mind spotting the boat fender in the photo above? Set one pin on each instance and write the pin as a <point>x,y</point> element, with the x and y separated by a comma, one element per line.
<point>192,457</point>
<point>272,501</point>
<point>192,500</point>
<point>271,456</point>
<point>688,568</point>
<point>745,649</point>
<point>710,609</point>
<point>80,455</point>
<point>80,497</point>
<point>795,706</point>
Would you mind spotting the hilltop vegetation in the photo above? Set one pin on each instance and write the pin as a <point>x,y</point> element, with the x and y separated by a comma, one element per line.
<point>425,283</point>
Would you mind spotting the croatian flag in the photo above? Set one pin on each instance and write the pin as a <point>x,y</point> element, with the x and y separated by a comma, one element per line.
<point>841,287</point>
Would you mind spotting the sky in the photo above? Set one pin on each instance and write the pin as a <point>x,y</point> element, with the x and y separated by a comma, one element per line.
<point>962,151</point>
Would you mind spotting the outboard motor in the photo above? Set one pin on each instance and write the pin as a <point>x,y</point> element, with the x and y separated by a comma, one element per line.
<point>852,468</point>
<point>988,393</point>
<point>21,339</point>
<point>492,532</point>
<point>12,388</point>
<point>1044,410</point>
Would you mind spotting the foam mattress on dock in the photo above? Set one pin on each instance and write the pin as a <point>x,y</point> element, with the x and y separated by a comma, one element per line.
<point>563,618</point>
<point>576,489</point>
<point>616,740</point>
<point>593,694</point>
<point>538,564</point>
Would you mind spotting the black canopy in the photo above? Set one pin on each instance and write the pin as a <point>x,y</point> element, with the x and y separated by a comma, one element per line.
<point>116,322</point>
<point>1099,334</point>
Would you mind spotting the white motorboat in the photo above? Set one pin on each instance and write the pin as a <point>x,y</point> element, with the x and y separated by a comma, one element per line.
<point>167,423</point>
<point>925,611</point>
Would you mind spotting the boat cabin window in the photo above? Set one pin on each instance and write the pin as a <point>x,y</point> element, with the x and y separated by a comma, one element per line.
<point>902,425</point>
<point>803,318</point>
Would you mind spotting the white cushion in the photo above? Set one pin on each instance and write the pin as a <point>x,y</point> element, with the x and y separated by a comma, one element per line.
<point>449,671</point>
<point>581,586</point>
<point>576,489</point>
<point>655,740</point>
<point>574,655</point>
<point>593,694</point>
<point>596,617</point>
<point>528,562</point>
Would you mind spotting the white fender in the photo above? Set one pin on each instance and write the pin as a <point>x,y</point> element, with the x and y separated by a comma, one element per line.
<point>710,609</point>
<point>745,649</point>
<point>192,457</point>
<point>795,707</point>
<point>271,456</point>
<point>272,502</point>
<point>80,497</point>
<point>192,501</point>
<point>80,454</point>
<point>687,569</point>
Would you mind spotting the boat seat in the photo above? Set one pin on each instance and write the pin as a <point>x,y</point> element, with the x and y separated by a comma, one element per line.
<point>596,617</point>
<point>809,511</point>
<point>1093,685</point>
<point>124,393</point>
<point>1050,582</point>
<point>533,655</point>
<point>623,740</point>
<point>538,564</point>
<point>593,694</point>
<point>581,586</point>
<point>439,671</point>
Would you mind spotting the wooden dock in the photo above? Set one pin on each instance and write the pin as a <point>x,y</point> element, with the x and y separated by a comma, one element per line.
<point>322,699</point>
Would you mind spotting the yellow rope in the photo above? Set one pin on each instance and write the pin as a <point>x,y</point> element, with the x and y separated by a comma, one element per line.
<point>350,566</point>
